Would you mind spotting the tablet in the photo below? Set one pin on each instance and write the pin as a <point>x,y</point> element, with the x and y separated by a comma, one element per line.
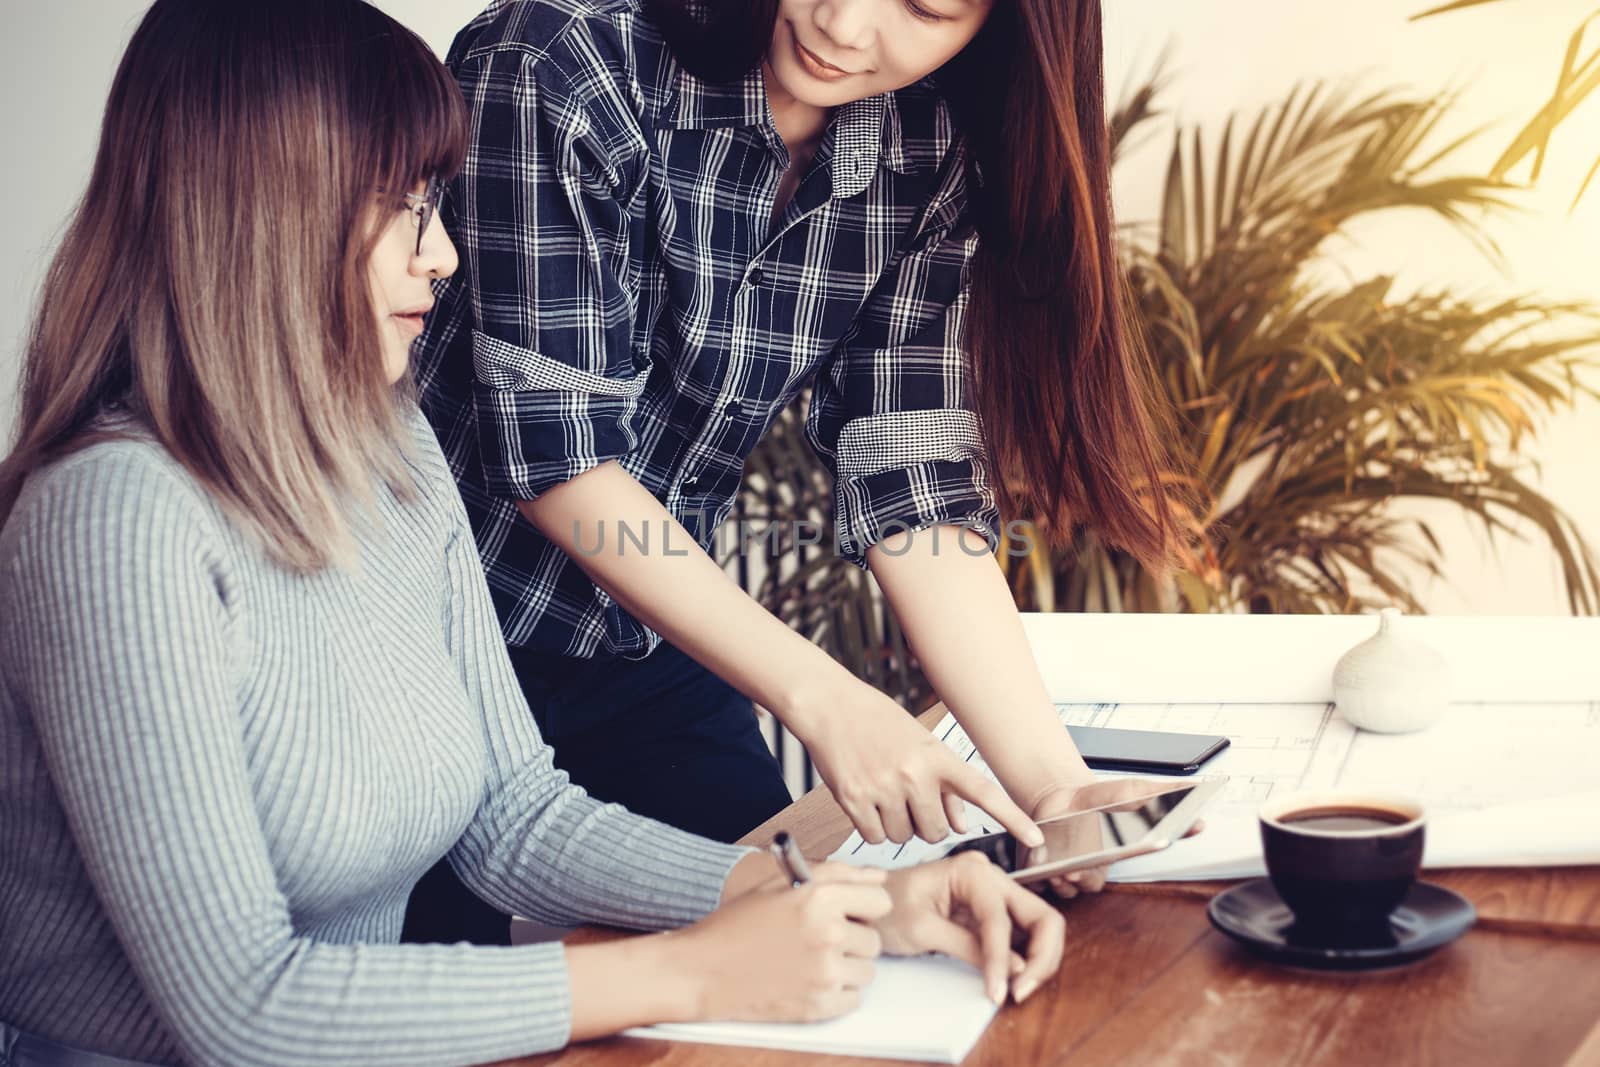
<point>1101,833</point>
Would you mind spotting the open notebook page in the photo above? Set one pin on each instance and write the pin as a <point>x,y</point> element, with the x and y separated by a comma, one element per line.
<point>930,1009</point>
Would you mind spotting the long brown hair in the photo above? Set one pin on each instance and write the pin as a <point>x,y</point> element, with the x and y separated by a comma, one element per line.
<point>213,280</point>
<point>1063,380</point>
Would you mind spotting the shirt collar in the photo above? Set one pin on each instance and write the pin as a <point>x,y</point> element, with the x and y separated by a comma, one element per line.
<point>866,133</point>
<point>857,145</point>
<point>703,105</point>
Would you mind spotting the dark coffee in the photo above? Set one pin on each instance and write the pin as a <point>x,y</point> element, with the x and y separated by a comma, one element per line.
<point>1344,820</point>
<point>1342,865</point>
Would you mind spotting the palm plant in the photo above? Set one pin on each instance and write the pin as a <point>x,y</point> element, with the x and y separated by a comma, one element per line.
<point>1309,406</point>
<point>1577,82</point>
<point>1308,403</point>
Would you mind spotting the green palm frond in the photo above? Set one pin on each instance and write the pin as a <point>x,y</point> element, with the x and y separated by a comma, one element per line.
<point>1577,81</point>
<point>1137,108</point>
<point>1307,408</point>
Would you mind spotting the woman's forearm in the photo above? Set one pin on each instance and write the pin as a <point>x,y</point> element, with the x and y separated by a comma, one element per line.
<point>959,618</point>
<point>676,589</point>
<point>889,775</point>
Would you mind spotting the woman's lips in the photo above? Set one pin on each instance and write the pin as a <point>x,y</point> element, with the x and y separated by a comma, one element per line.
<point>413,322</point>
<point>814,64</point>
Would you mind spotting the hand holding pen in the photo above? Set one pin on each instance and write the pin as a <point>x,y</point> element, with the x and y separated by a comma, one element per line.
<point>798,947</point>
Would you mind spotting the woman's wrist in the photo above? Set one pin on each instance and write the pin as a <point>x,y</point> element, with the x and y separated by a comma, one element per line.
<point>811,697</point>
<point>745,876</point>
<point>1051,771</point>
<point>1056,787</point>
<point>1030,753</point>
<point>671,959</point>
<point>633,981</point>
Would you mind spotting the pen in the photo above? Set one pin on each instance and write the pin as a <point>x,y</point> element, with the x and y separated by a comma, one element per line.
<point>787,853</point>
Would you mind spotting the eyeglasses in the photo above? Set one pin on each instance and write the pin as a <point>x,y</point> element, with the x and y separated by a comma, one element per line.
<point>424,207</point>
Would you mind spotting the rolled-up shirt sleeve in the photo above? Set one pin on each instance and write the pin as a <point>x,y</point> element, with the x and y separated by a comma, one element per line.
<point>540,215</point>
<point>892,410</point>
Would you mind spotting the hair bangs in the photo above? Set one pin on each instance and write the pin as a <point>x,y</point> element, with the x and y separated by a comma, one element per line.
<point>418,117</point>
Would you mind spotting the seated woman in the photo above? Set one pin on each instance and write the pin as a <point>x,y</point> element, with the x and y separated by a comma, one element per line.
<point>251,684</point>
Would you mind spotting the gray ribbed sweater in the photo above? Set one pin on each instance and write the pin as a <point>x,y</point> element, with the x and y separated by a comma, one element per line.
<point>220,780</point>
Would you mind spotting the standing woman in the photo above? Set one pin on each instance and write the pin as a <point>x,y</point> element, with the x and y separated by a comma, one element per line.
<point>251,683</point>
<point>676,215</point>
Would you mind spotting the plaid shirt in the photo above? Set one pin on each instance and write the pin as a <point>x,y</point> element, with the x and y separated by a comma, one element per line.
<point>623,296</point>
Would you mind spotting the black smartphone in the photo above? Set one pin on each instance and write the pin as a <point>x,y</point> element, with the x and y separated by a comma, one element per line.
<point>1150,751</point>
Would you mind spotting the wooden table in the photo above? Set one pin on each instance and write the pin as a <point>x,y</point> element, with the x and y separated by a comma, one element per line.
<point>1146,980</point>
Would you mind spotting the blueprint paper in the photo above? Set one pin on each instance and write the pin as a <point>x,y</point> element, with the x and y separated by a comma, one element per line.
<point>1503,784</point>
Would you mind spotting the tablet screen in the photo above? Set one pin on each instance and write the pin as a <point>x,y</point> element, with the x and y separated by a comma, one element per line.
<point>1099,828</point>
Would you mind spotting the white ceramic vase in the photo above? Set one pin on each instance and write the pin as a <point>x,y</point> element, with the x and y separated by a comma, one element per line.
<point>1391,683</point>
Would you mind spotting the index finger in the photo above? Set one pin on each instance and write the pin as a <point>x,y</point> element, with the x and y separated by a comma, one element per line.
<point>968,783</point>
<point>994,941</point>
<point>1047,936</point>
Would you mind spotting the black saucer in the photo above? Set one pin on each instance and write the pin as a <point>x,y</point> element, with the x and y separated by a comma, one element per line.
<point>1253,915</point>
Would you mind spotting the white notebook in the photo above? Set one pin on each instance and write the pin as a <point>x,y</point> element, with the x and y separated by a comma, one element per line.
<point>929,1008</point>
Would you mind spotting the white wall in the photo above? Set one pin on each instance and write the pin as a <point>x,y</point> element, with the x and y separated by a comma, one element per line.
<point>57,58</point>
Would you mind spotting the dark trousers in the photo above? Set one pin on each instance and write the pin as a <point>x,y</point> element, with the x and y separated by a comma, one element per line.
<point>663,736</point>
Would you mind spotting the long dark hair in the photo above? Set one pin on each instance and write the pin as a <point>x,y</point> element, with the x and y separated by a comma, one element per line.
<point>1064,384</point>
<point>213,280</point>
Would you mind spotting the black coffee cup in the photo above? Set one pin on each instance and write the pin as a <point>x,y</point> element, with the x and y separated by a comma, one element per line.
<point>1342,862</point>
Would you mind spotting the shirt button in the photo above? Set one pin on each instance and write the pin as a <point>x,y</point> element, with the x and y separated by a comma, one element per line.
<point>691,486</point>
<point>732,408</point>
<point>756,277</point>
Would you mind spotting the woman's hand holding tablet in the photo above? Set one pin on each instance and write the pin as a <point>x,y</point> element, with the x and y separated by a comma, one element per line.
<point>1098,824</point>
